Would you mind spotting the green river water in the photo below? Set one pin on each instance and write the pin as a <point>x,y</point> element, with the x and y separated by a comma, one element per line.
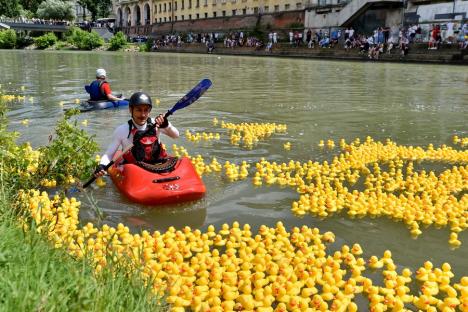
<point>411,104</point>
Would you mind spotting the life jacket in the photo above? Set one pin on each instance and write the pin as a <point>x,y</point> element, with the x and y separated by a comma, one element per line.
<point>145,148</point>
<point>95,91</point>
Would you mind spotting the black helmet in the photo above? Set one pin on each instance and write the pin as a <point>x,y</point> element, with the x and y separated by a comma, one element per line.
<point>140,98</point>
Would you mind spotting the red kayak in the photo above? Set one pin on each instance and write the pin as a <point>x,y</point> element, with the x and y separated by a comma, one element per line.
<point>179,184</point>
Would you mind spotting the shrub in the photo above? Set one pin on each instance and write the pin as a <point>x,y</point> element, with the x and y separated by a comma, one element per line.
<point>23,41</point>
<point>84,40</point>
<point>46,40</point>
<point>7,39</point>
<point>118,41</point>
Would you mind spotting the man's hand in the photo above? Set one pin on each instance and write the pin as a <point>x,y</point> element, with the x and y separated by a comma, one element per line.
<point>161,121</point>
<point>100,171</point>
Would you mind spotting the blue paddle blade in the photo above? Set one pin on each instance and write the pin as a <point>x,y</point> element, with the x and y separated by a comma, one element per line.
<point>191,96</point>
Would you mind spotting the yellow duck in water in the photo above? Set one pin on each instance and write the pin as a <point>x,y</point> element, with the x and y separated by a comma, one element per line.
<point>100,182</point>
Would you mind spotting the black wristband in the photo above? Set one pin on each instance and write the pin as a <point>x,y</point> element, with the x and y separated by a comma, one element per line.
<point>165,124</point>
<point>99,168</point>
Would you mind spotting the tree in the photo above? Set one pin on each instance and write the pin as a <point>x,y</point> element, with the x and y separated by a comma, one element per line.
<point>30,5</point>
<point>56,9</point>
<point>9,8</point>
<point>97,8</point>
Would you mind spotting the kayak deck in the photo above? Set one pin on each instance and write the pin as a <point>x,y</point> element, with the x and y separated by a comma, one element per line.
<point>149,188</point>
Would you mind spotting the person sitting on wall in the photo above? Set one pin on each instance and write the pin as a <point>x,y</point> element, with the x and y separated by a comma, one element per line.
<point>210,46</point>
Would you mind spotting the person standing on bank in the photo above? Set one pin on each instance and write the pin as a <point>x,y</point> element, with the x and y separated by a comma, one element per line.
<point>147,147</point>
<point>100,89</point>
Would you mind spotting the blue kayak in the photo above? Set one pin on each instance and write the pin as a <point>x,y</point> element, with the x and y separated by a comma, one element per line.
<point>103,104</point>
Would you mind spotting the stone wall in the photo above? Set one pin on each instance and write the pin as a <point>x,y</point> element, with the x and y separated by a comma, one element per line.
<point>280,22</point>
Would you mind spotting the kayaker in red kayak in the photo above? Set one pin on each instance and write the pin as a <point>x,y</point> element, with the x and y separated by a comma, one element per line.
<point>100,89</point>
<point>147,147</point>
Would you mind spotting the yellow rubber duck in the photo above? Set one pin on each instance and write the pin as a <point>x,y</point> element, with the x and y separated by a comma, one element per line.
<point>375,263</point>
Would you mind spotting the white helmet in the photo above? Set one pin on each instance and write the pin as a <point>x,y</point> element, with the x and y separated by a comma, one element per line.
<point>101,72</point>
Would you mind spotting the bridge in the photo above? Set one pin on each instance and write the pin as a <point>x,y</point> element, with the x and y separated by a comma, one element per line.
<point>34,26</point>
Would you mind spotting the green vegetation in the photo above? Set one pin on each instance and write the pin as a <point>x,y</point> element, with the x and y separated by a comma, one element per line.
<point>35,276</point>
<point>118,41</point>
<point>10,8</point>
<point>56,9</point>
<point>84,40</point>
<point>7,39</point>
<point>98,8</point>
<point>45,41</point>
<point>30,5</point>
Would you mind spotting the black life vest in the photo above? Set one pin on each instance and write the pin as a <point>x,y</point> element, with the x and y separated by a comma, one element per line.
<point>146,147</point>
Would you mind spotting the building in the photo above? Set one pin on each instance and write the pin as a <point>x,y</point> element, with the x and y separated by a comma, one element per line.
<point>148,12</point>
<point>155,17</point>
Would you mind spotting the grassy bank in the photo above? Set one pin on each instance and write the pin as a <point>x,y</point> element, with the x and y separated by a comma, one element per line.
<point>35,276</point>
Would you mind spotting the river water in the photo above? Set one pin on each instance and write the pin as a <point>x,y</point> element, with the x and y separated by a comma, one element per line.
<point>410,103</point>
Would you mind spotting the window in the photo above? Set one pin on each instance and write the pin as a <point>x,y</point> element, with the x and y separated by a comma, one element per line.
<point>165,20</point>
<point>183,2</point>
<point>233,12</point>
<point>224,13</point>
<point>206,14</point>
<point>160,8</point>
<point>165,8</point>
<point>175,6</point>
<point>206,2</point>
<point>175,18</point>
<point>190,16</point>
<point>244,11</point>
<point>155,8</point>
<point>183,18</point>
<point>266,8</point>
<point>189,4</point>
<point>198,3</point>
<point>198,16</point>
<point>160,19</point>
<point>170,18</point>
<point>256,10</point>
<point>276,8</point>
<point>214,14</point>
<point>298,5</point>
<point>286,6</point>
<point>170,7</point>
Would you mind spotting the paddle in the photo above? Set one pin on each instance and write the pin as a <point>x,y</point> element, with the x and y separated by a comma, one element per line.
<point>188,99</point>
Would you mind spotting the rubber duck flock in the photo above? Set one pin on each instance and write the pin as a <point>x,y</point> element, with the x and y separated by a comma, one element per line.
<point>274,269</point>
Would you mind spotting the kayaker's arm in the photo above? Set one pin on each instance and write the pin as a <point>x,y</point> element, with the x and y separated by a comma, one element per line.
<point>170,131</point>
<point>119,139</point>
<point>111,97</point>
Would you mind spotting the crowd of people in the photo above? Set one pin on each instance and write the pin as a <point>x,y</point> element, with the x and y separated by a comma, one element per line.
<point>385,39</point>
<point>40,21</point>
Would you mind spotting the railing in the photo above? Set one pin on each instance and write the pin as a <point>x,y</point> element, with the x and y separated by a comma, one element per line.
<point>325,3</point>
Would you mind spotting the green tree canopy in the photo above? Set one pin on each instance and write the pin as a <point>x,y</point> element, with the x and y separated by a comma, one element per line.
<point>30,5</point>
<point>9,8</point>
<point>56,9</point>
<point>97,8</point>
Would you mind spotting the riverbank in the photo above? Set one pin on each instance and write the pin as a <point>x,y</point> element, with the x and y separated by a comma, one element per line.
<point>418,53</point>
<point>38,275</point>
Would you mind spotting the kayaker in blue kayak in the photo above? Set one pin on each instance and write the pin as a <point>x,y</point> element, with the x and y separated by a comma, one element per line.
<point>99,89</point>
<point>147,147</point>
